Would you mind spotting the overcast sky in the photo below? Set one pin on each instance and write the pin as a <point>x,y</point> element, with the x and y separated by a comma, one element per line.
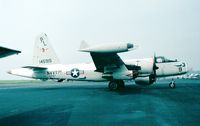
<point>167,27</point>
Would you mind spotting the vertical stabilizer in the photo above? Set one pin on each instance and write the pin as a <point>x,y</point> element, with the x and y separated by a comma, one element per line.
<point>83,45</point>
<point>43,52</point>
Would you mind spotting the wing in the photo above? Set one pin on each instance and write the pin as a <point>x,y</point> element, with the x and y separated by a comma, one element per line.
<point>111,65</point>
<point>6,52</point>
<point>106,61</point>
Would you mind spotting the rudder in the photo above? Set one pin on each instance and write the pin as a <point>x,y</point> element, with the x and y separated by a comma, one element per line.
<point>43,52</point>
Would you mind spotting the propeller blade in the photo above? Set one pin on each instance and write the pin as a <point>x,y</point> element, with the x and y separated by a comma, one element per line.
<point>155,67</point>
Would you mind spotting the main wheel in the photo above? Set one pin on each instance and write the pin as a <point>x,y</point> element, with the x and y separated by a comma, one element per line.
<point>172,84</point>
<point>113,85</point>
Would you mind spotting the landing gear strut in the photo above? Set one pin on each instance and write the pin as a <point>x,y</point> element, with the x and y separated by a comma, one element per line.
<point>116,84</point>
<point>121,84</point>
<point>172,84</point>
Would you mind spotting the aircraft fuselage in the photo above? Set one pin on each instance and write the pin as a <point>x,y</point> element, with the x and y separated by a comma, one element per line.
<point>87,71</point>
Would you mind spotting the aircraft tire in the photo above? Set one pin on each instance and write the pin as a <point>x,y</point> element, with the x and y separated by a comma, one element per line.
<point>113,85</point>
<point>172,85</point>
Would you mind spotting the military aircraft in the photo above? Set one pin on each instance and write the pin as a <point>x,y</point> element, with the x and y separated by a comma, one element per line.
<point>106,66</point>
<point>4,52</point>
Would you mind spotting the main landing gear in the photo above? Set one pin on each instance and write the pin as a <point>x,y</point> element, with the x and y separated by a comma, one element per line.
<point>116,84</point>
<point>172,84</point>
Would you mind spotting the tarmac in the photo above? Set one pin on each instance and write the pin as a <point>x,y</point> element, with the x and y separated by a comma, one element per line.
<point>93,104</point>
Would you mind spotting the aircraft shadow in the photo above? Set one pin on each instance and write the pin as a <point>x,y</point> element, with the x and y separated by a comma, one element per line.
<point>57,115</point>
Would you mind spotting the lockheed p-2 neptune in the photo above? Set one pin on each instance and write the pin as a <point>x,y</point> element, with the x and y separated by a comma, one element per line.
<point>106,66</point>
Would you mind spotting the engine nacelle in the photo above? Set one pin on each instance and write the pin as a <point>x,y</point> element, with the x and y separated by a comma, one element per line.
<point>143,66</point>
<point>146,66</point>
<point>109,48</point>
<point>144,81</point>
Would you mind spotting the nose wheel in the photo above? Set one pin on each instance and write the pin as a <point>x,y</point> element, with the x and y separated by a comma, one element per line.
<point>172,84</point>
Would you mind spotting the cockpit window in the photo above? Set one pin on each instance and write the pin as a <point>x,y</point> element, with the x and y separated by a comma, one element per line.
<point>162,59</point>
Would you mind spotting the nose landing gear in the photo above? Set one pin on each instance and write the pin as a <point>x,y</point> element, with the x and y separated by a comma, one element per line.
<point>172,84</point>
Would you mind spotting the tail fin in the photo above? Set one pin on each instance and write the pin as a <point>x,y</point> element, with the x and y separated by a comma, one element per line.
<point>83,45</point>
<point>43,52</point>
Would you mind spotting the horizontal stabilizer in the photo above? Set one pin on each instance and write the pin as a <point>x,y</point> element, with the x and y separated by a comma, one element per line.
<point>35,67</point>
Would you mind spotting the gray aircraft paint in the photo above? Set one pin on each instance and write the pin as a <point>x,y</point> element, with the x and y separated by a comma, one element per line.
<point>106,67</point>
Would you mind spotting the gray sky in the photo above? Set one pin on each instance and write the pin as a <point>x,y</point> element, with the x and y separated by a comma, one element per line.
<point>167,27</point>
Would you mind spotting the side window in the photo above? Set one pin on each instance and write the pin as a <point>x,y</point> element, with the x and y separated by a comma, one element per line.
<point>159,60</point>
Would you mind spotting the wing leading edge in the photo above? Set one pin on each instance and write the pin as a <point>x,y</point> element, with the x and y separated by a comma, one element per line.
<point>4,52</point>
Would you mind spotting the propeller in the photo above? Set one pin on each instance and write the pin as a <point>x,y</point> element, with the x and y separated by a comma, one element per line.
<point>154,65</point>
<point>152,77</point>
